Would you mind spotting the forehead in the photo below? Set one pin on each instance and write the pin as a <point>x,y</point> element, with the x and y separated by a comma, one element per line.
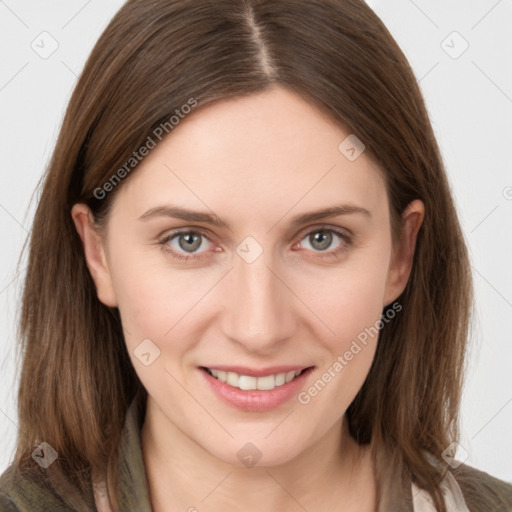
<point>260,154</point>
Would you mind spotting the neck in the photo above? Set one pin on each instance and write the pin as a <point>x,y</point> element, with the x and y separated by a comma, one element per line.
<point>182,475</point>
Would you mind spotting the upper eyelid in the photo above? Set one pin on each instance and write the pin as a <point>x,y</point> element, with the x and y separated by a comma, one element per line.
<point>325,227</point>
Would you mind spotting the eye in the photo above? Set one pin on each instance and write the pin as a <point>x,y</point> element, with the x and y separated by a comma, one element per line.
<point>183,244</point>
<point>321,239</point>
<point>195,244</point>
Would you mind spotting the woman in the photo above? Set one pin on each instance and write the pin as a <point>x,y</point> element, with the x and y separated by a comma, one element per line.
<point>247,283</point>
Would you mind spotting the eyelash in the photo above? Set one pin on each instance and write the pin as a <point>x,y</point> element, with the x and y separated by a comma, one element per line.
<point>346,241</point>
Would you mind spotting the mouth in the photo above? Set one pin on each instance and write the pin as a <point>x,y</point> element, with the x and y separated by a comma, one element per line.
<point>255,391</point>
<point>248,381</point>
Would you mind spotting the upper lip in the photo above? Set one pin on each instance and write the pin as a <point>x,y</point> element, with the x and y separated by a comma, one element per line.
<point>258,372</point>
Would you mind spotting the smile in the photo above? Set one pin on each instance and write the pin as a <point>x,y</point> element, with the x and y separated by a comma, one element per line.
<point>248,382</point>
<point>255,390</point>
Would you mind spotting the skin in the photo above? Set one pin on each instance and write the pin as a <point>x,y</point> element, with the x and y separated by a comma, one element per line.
<point>255,162</point>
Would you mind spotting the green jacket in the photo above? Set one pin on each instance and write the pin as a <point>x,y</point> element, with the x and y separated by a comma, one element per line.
<point>34,493</point>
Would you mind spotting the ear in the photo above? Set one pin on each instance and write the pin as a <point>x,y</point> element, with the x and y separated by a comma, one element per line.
<point>402,258</point>
<point>95,254</point>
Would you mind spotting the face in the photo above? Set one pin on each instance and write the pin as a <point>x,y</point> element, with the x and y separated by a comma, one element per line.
<point>244,286</point>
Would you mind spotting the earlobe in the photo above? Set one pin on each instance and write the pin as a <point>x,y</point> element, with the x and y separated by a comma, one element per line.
<point>403,256</point>
<point>94,252</point>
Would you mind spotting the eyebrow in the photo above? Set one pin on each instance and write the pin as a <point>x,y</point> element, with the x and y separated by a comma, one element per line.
<point>214,220</point>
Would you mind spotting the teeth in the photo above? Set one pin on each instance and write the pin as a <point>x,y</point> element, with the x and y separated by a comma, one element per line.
<point>246,382</point>
<point>280,379</point>
<point>290,376</point>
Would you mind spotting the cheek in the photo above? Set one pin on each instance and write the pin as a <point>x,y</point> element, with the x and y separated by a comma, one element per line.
<point>171,307</point>
<point>351,305</point>
<point>348,299</point>
<point>147,293</point>
<point>353,315</point>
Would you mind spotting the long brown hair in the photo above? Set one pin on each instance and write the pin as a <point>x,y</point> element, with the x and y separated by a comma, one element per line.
<point>155,55</point>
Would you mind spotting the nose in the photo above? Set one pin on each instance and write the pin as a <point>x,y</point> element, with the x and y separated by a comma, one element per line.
<point>259,309</point>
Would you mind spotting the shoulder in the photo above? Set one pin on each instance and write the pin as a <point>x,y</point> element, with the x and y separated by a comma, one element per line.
<point>27,491</point>
<point>7,503</point>
<point>31,491</point>
<point>483,492</point>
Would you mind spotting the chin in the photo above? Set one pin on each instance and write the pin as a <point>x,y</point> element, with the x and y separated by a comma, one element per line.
<point>255,452</point>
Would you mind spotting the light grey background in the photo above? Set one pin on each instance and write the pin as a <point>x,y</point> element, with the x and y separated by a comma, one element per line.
<point>470,103</point>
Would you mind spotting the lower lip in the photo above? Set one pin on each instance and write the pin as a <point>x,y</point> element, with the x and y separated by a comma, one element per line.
<point>256,400</point>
